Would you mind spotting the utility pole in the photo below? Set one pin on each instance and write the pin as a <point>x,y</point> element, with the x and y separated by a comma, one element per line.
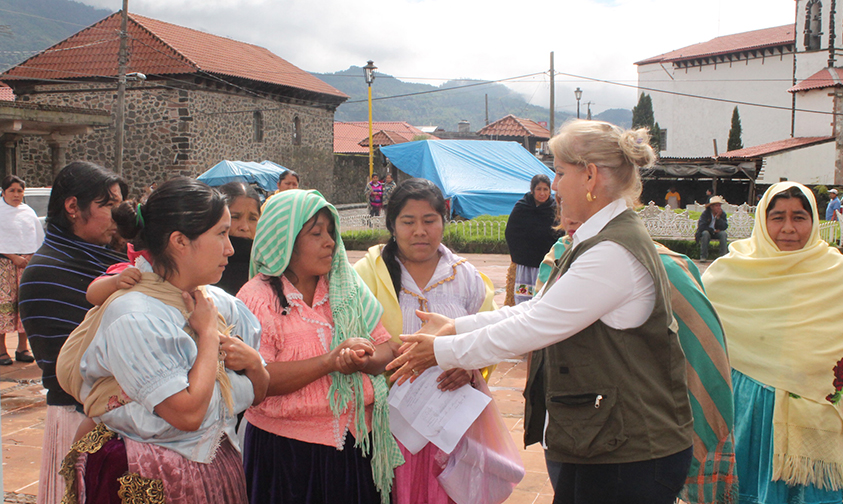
<point>552,96</point>
<point>716,156</point>
<point>588,115</point>
<point>487,109</point>
<point>121,89</point>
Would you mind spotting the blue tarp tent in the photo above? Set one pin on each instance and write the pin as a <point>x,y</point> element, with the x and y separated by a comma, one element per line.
<point>480,177</point>
<point>263,174</point>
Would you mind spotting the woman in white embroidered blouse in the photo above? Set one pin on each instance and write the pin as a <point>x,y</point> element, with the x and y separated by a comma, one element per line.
<point>426,276</point>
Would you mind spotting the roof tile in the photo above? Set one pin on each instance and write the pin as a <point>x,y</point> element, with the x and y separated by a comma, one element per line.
<point>159,48</point>
<point>6,93</point>
<point>774,147</point>
<point>825,78</point>
<point>348,136</point>
<point>756,39</point>
<point>511,126</point>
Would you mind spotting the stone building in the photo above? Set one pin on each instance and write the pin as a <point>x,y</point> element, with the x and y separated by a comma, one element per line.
<point>351,150</point>
<point>204,99</point>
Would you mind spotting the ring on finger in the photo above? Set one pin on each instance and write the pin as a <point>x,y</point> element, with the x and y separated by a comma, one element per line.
<point>415,372</point>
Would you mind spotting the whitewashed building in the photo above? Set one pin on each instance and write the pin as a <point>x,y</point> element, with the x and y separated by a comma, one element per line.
<point>785,84</point>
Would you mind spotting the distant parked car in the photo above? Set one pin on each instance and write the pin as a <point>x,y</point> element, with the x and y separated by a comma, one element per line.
<point>38,198</point>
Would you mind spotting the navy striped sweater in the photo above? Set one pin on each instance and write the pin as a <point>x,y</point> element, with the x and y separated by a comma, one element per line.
<point>52,298</point>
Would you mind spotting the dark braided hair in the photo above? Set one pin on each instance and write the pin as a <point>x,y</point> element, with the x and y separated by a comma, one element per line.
<point>410,189</point>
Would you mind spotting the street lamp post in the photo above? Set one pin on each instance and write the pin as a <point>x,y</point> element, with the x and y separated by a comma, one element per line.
<point>370,78</point>
<point>578,94</point>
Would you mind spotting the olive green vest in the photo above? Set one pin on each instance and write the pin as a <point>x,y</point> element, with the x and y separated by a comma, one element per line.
<point>613,396</point>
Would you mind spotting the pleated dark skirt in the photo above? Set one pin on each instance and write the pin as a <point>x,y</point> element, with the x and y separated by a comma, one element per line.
<point>282,470</point>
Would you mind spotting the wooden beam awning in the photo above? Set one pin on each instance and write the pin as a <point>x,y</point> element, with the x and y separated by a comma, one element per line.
<point>44,120</point>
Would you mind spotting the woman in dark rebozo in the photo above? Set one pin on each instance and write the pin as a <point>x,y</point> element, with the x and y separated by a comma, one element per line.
<point>529,235</point>
<point>52,294</point>
<point>245,207</point>
<point>607,392</point>
<point>165,366</point>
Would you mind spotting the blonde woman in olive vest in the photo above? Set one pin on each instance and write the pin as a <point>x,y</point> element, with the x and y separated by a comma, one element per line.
<point>607,393</point>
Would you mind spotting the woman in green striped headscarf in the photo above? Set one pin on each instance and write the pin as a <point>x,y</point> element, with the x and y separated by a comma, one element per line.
<point>322,435</point>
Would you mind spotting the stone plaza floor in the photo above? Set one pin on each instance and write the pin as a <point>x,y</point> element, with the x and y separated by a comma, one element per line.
<point>23,409</point>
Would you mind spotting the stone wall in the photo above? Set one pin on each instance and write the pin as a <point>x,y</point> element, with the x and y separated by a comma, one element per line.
<point>351,173</point>
<point>173,131</point>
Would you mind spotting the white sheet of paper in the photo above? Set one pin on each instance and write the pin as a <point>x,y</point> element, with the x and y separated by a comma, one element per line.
<point>404,432</point>
<point>440,417</point>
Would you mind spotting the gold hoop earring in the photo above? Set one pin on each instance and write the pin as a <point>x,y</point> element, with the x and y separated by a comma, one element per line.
<point>589,197</point>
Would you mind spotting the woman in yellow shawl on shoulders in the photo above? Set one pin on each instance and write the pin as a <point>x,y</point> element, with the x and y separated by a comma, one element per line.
<point>778,295</point>
<point>415,271</point>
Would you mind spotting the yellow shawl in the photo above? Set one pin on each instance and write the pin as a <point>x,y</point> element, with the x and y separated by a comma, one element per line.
<point>781,313</point>
<point>372,269</point>
<point>96,402</point>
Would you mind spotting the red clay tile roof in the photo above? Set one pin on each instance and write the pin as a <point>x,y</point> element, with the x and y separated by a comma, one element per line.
<point>825,78</point>
<point>511,126</point>
<point>348,135</point>
<point>756,39</point>
<point>6,93</point>
<point>159,48</point>
<point>382,137</point>
<point>774,147</point>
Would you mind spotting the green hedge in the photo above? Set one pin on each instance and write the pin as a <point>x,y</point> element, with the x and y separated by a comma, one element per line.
<point>362,240</point>
<point>691,248</point>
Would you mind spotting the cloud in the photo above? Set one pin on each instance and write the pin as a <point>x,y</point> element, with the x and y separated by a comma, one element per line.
<point>436,40</point>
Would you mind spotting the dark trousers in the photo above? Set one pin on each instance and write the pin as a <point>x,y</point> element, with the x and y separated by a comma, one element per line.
<point>706,238</point>
<point>655,481</point>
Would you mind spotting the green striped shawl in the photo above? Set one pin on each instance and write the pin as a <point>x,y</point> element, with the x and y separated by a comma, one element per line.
<point>355,310</point>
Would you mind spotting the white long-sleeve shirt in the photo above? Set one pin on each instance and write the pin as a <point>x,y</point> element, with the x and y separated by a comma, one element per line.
<point>606,282</point>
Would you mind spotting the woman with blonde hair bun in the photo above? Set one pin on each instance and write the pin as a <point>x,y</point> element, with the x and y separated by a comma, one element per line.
<point>607,393</point>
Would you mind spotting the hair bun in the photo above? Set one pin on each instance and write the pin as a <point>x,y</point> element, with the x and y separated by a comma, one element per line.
<point>635,145</point>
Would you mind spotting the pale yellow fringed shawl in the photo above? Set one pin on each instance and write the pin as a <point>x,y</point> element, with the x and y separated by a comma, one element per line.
<point>782,313</point>
<point>96,402</point>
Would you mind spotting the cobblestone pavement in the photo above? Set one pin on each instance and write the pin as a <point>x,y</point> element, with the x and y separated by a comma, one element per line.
<point>23,408</point>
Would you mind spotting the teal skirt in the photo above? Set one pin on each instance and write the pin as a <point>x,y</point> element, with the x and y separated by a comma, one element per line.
<point>754,450</point>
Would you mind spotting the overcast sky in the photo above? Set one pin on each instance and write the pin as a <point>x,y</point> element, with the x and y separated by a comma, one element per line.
<point>437,40</point>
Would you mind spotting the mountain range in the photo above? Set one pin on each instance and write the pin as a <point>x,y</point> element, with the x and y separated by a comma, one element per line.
<point>443,106</point>
<point>30,26</point>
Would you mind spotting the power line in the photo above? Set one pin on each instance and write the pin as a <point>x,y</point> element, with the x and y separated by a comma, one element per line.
<point>439,90</point>
<point>701,97</point>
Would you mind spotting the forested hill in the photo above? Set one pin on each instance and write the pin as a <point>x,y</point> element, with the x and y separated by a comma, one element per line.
<point>30,26</point>
<point>443,105</point>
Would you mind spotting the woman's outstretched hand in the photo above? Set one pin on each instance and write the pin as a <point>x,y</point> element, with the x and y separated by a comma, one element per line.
<point>417,355</point>
<point>436,324</point>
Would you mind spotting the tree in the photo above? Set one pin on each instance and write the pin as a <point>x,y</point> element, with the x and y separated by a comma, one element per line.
<point>735,141</point>
<point>656,138</point>
<point>642,117</point>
